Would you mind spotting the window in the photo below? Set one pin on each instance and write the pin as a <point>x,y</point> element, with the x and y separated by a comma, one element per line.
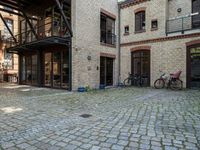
<point>8,61</point>
<point>140,21</point>
<point>126,30</point>
<point>6,33</point>
<point>107,29</point>
<point>154,24</point>
<point>8,8</point>
<point>196,9</point>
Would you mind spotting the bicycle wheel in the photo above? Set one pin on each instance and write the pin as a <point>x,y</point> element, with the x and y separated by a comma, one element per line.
<point>159,84</point>
<point>127,82</point>
<point>176,84</point>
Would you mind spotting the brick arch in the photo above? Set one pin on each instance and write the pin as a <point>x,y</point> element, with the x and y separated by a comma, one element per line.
<point>194,42</point>
<point>140,9</point>
<point>139,48</point>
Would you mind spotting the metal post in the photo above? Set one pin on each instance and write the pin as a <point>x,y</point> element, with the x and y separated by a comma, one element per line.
<point>182,26</point>
<point>70,65</point>
<point>28,21</point>
<point>64,17</point>
<point>9,30</point>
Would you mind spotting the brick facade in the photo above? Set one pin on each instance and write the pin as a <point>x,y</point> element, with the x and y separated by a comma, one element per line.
<point>168,52</point>
<point>3,44</point>
<point>86,41</point>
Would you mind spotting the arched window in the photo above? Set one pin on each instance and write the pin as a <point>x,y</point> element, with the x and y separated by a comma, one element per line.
<point>140,21</point>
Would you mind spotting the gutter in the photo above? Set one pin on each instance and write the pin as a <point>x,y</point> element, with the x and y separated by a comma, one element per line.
<point>119,43</point>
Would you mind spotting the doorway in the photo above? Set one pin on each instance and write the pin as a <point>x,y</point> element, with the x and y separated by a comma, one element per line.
<point>140,65</point>
<point>106,71</point>
<point>193,69</point>
<point>56,69</point>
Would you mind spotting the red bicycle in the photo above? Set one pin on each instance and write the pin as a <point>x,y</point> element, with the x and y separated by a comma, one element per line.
<point>173,83</point>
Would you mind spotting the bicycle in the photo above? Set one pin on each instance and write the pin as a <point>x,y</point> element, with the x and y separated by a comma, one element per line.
<point>174,81</point>
<point>133,80</point>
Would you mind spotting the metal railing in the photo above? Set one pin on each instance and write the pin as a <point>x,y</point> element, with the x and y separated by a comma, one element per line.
<point>183,24</point>
<point>108,38</point>
<point>47,29</point>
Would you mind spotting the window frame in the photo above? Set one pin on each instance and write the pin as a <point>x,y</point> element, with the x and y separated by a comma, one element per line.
<point>5,30</point>
<point>154,28</point>
<point>104,29</point>
<point>139,27</point>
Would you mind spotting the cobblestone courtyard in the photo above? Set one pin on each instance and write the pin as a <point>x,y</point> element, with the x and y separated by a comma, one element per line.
<point>122,119</point>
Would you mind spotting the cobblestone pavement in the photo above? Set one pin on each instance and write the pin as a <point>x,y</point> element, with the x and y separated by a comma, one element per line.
<point>122,119</point>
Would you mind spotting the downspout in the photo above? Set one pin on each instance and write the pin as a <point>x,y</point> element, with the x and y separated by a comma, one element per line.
<point>119,43</point>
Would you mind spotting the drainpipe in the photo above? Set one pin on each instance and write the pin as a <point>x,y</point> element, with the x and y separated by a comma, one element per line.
<point>119,43</point>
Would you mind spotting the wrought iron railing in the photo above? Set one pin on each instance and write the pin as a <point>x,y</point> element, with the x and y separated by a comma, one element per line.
<point>108,38</point>
<point>47,29</point>
<point>183,24</point>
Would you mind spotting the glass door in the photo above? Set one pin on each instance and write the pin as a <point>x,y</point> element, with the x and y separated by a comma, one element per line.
<point>48,69</point>
<point>57,69</point>
<point>195,67</point>
<point>106,71</point>
<point>141,65</point>
<point>65,70</point>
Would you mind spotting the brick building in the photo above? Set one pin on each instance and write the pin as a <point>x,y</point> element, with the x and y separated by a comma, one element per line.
<point>161,35</point>
<point>70,44</point>
<point>8,62</point>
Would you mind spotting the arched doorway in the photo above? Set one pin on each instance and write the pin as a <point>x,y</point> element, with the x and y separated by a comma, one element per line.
<point>140,65</point>
<point>193,66</point>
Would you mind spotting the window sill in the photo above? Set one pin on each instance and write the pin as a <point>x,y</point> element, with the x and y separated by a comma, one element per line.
<point>109,45</point>
<point>154,29</point>
<point>126,34</point>
<point>141,31</point>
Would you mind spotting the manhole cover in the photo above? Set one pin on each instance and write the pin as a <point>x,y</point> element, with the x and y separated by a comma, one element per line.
<point>85,115</point>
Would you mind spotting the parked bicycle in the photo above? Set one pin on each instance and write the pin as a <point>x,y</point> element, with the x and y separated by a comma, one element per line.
<point>136,80</point>
<point>173,81</point>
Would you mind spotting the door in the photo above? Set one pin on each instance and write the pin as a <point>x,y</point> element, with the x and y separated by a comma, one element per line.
<point>57,69</point>
<point>47,69</point>
<point>56,73</point>
<point>194,67</point>
<point>106,71</point>
<point>141,65</point>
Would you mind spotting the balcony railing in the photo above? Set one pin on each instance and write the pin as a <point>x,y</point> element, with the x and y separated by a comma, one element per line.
<point>183,24</point>
<point>47,29</point>
<point>108,38</point>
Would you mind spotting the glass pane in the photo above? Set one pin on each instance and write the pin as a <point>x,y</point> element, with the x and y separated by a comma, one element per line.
<point>34,69</point>
<point>28,70</point>
<point>65,70</point>
<point>23,74</point>
<point>57,69</point>
<point>109,71</point>
<point>47,69</point>
<point>195,65</point>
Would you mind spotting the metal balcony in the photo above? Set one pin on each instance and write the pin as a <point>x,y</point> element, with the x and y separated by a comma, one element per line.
<point>183,24</point>
<point>49,32</point>
<point>108,38</point>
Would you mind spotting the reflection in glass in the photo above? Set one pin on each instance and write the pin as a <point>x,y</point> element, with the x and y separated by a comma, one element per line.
<point>65,70</point>
<point>47,69</point>
<point>34,69</point>
<point>56,69</point>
